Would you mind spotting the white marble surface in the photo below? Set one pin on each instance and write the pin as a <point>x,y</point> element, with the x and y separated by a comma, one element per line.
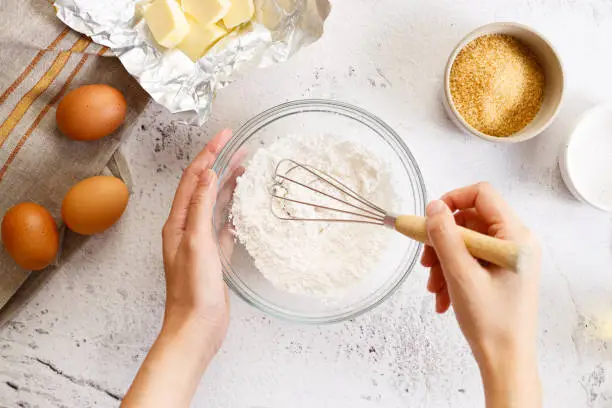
<point>80,340</point>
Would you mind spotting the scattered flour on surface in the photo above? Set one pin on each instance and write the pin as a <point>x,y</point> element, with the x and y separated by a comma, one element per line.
<point>313,258</point>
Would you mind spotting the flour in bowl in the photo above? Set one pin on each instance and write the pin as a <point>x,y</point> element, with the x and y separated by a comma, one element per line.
<point>314,258</point>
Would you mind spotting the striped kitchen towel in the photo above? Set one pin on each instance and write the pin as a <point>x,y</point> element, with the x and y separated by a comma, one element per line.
<point>40,61</point>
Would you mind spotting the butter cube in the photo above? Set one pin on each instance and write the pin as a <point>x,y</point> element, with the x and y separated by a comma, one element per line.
<point>240,12</point>
<point>167,22</point>
<point>200,39</point>
<point>206,12</point>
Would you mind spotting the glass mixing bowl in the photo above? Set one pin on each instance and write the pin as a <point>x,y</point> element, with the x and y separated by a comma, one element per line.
<point>314,117</point>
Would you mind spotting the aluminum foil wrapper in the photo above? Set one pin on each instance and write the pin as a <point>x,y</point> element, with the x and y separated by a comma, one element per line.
<point>278,30</point>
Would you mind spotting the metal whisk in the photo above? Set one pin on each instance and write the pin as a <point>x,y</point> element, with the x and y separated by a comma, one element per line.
<point>301,192</point>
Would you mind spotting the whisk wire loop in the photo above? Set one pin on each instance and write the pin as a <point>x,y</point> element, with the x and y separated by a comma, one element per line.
<point>366,211</point>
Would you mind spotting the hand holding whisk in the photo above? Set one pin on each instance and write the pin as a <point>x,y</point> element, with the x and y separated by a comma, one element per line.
<point>300,185</point>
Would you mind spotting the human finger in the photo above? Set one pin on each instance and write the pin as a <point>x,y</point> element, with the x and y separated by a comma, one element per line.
<point>175,224</point>
<point>191,176</point>
<point>442,301</point>
<point>466,218</point>
<point>226,235</point>
<point>227,188</point>
<point>486,200</point>
<point>227,241</point>
<point>429,257</point>
<point>444,236</point>
<point>471,219</point>
<point>436,279</point>
<point>237,159</point>
<point>201,206</point>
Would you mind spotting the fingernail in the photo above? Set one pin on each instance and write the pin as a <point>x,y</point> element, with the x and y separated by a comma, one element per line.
<point>435,207</point>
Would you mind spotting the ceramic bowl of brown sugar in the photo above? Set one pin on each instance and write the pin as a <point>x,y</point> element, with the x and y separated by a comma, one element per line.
<point>504,83</point>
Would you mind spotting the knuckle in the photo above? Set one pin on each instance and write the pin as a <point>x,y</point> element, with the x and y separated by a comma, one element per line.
<point>189,170</point>
<point>484,186</point>
<point>198,243</point>
<point>195,169</point>
<point>440,229</point>
<point>197,199</point>
<point>193,243</point>
<point>436,226</point>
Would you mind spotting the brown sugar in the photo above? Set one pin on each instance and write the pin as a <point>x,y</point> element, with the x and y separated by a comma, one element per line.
<point>497,84</point>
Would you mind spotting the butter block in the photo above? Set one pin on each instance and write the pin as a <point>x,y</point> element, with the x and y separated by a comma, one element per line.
<point>200,39</point>
<point>240,12</point>
<point>167,22</point>
<point>206,12</point>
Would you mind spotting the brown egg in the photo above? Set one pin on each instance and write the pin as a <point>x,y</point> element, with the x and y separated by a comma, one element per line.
<point>91,112</point>
<point>95,204</point>
<point>30,236</point>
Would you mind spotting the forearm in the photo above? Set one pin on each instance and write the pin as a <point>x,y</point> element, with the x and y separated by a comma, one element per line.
<point>172,369</point>
<point>512,382</point>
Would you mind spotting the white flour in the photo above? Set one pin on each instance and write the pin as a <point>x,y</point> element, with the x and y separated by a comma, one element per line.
<point>313,258</point>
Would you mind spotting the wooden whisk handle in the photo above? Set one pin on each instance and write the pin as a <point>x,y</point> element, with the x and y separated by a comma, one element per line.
<point>497,251</point>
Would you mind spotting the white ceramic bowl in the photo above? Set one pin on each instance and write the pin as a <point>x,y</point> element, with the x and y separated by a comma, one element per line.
<point>553,90</point>
<point>586,158</point>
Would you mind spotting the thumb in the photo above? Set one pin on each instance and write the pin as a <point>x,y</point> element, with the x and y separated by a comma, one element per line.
<point>199,216</point>
<point>445,238</point>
